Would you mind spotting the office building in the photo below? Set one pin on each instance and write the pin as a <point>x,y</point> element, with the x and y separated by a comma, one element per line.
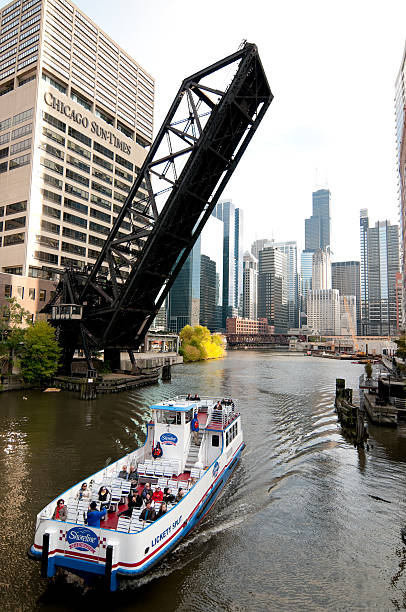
<point>76,117</point>
<point>321,269</point>
<point>231,217</point>
<point>306,271</point>
<point>290,250</point>
<point>250,286</point>
<point>323,311</point>
<point>258,245</point>
<point>273,288</point>
<point>379,267</point>
<point>254,327</point>
<point>238,259</point>
<point>345,276</point>
<point>195,297</point>
<point>317,227</point>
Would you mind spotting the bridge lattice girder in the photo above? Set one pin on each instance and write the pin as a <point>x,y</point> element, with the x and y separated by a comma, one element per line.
<point>197,149</point>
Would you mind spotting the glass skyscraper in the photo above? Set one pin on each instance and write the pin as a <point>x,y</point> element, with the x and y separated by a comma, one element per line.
<point>345,276</point>
<point>273,288</point>
<point>379,268</point>
<point>290,250</point>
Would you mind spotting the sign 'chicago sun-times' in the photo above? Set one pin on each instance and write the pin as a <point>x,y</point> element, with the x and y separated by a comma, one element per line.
<point>83,121</point>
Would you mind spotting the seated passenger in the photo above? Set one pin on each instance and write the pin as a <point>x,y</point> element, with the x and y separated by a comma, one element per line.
<point>61,511</point>
<point>104,496</point>
<point>148,514</point>
<point>162,510</point>
<point>123,474</point>
<point>180,495</point>
<point>148,498</point>
<point>83,493</point>
<point>93,516</point>
<point>188,397</point>
<point>196,397</point>
<point>168,498</point>
<point>134,501</point>
<point>157,495</point>
<point>133,476</point>
<point>147,489</point>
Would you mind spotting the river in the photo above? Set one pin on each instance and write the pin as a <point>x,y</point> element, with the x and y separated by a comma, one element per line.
<point>297,527</point>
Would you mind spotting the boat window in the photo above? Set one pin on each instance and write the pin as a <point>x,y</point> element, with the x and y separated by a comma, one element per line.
<point>215,440</point>
<point>168,417</point>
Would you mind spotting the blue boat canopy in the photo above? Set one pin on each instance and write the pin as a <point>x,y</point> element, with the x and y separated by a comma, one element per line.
<point>172,407</point>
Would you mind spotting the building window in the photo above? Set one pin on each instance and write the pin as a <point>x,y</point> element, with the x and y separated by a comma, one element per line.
<point>80,137</point>
<point>53,136</point>
<point>46,257</point>
<point>80,100</point>
<point>103,150</point>
<point>78,149</point>
<point>100,202</point>
<point>20,292</point>
<point>8,291</point>
<point>18,162</point>
<point>12,224</point>
<point>16,207</point>
<point>54,83</point>
<point>24,116</point>
<point>42,295</point>
<point>50,195</point>
<point>74,161</point>
<point>51,165</point>
<point>76,206</point>
<point>56,123</point>
<point>124,162</point>
<point>74,220</point>
<point>80,193</point>
<point>102,162</point>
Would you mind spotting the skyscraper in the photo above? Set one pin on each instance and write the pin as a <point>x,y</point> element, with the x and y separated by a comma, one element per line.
<point>76,116</point>
<point>238,258</point>
<point>345,276</point>
<point>184,296</point>
<point>273,288</point>
<point>290,250</point>
<point>317,227</point>
<point>258,245</point>
<point>232,251</point>
<point>321,269</point>
<point>400,106</point>
<point>323,311</point>
<point>378,276</point>
<point>250,286</point>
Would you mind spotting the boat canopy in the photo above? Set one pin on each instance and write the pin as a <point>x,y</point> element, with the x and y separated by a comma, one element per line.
<point>179,407</point>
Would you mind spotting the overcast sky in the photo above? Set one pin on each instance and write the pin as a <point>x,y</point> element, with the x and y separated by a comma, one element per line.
<point>331,67</point>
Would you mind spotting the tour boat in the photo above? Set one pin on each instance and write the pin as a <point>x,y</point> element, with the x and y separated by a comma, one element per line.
<point>126,547</point>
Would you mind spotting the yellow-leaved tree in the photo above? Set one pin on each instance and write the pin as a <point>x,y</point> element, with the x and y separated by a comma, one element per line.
<point>197,344</point>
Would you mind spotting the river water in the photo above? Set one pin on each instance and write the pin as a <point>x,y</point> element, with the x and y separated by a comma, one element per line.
<point>297,527</point>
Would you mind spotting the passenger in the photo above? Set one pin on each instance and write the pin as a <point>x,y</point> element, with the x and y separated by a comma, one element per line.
<point>188,397</point>
<point>134,501</point>
<point>157,495</point>
<point>196,397</point>
<point>133,476</point>
<point>83,493</point>
<point>148,514</point>
<point>157,451</point>
<point>123,474</point>
<point>148,498</point>
<point>194,426</point>
<point>162,510</point>
<point>104,497</point>
<point>168,498</point>
<point>180,495</point>
<point>218,406</point>
<point>61,511</point>
<point>93,516</point>
<point>146,489</point>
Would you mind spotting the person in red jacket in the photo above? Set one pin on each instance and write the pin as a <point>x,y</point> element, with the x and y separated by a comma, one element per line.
<point>157,495</point>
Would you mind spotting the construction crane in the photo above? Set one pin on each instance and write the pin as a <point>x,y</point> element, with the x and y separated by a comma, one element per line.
<point>111,304</point>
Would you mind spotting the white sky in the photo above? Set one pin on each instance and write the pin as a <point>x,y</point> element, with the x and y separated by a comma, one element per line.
<point>331,67</point>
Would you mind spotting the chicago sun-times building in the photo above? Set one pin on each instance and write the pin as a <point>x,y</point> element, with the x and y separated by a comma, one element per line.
<point>76,117</point>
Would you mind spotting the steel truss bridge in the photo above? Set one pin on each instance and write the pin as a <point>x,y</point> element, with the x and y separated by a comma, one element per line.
<point>260,340</point>
<point>209,125</point>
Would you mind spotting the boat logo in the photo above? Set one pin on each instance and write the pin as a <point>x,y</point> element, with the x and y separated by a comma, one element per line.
<point>82,538</point>
<point>168,438</point>
<point>216,468</point>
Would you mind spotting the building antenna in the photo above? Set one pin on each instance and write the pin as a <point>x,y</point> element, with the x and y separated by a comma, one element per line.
<point>316,178</point>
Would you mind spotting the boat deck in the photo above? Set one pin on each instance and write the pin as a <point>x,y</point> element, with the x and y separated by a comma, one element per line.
<point>111,520</point>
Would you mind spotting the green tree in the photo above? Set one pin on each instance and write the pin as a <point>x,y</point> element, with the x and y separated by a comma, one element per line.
<point>401,350</point>
<point>41,353</point>
<point>13,318</point>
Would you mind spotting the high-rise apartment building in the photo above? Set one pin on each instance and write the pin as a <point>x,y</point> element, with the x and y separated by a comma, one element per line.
<point>317,227</point>
<point>76,115</point>
<point>379,267</point>
<point>258,245</point>
<point>400,110</point>
<point>250,286</point>
<point>290,250</point>
<point>306,271</point>
<point>184,295</point>
<point>321,269</point>
<point>345,276</point>
<point>273,288</point>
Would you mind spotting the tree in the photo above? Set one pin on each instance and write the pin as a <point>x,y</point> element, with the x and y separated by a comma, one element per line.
<point>197,344</point>
<point>13,318</point>
<point>401,350</point>
<point>41,353</point>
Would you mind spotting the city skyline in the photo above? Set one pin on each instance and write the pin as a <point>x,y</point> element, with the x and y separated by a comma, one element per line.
<point>318,138</point>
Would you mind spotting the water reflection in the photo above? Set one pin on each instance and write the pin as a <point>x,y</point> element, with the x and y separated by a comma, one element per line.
<point>303,507</point>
